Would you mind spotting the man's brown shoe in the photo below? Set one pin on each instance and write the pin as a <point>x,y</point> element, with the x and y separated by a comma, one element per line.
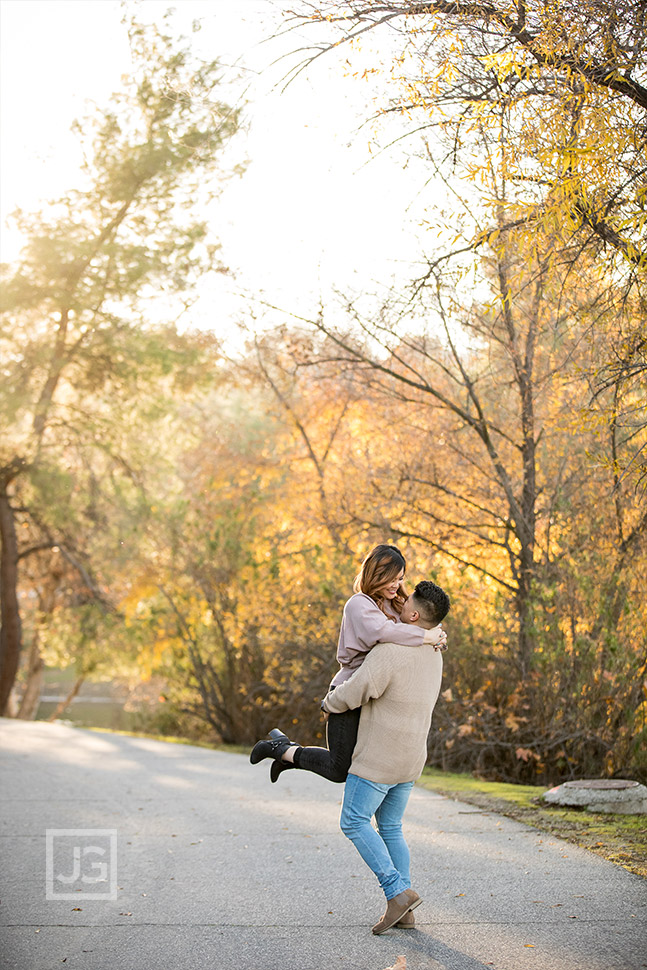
<point>408,921</point>
<point>396,909</point>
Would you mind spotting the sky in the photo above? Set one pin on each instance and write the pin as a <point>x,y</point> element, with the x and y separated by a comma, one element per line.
<point>314,209</point>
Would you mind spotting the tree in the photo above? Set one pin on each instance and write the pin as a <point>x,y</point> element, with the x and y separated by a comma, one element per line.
<point>316,409</point>
<point>520,348</point>
<point>233,588</point>
<point>568,77</point>
<point>490,461</point>
<point>464,443</point>
<point>75,336</point>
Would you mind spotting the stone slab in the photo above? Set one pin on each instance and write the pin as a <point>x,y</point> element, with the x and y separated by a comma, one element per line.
<point>618,796</point>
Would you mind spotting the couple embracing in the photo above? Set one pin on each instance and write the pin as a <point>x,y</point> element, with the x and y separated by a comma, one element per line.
<point>378,711</point>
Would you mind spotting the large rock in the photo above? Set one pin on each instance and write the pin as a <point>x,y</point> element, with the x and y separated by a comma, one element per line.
<point>601,795</point>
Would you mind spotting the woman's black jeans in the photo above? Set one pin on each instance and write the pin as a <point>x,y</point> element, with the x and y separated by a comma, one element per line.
<point>334,761</point>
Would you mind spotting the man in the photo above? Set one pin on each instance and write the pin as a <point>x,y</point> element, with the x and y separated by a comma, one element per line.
<point>397,688</point>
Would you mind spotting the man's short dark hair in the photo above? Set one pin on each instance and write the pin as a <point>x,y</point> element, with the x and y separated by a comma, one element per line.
<point>431,601</point>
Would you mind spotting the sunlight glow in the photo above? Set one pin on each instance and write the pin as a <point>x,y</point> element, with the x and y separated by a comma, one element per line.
<point>311,212</point>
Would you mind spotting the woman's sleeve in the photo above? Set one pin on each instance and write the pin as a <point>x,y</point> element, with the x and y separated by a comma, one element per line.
<point>371,626</point>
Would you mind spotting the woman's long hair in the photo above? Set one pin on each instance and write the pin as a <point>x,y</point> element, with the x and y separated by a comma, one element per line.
<point>380,567</point>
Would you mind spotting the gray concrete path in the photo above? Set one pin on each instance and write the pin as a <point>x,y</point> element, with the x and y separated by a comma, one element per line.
<point>217,868</point>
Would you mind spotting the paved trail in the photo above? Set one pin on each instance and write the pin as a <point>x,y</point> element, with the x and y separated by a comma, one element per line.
<point>217,868</point>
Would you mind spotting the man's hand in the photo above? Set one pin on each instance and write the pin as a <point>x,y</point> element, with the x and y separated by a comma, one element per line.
<point>437,638</point>
<point>326,715</point>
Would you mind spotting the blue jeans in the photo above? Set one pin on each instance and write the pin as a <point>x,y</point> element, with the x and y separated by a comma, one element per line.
<point>384,851</point>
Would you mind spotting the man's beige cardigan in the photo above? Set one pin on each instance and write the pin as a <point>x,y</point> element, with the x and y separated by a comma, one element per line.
<point>397,688</point>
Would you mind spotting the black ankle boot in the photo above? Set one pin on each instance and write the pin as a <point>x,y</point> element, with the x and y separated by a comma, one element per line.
<point>273,748</point>
<point>277,767</point>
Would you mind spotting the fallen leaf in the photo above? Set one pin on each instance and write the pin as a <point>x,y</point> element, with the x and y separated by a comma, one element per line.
<point>528,945</point>
<point>400,964</point>
<point>77,909</point>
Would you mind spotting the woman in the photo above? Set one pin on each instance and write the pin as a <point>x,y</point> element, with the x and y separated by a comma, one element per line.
<point>371,616</point>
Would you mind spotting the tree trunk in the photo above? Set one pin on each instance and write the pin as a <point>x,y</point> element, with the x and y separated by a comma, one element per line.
<point>31,697</point>
<point>68,700</point>
<point>10,625</point>
<point>524,615</point>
